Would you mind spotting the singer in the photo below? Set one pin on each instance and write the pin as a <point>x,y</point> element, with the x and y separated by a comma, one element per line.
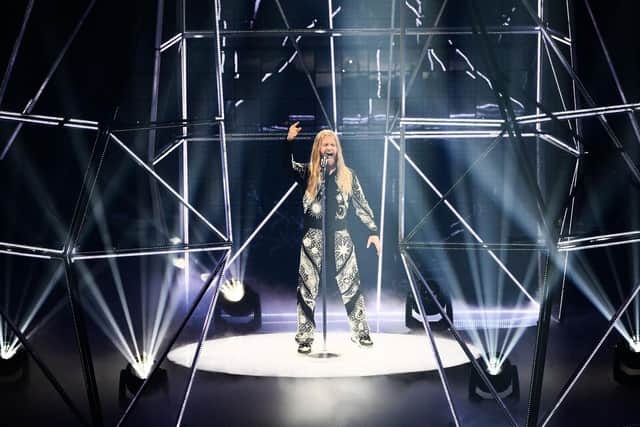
<point>342,189</point>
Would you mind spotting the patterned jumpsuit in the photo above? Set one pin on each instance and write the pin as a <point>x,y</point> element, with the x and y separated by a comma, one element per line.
<point>342,266</point>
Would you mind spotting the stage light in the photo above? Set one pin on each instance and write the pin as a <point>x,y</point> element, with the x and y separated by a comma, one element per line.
<point>503,376</point>
<point>132,377</point>
<point>7,351</point>
<point>142,366</point>
<point>238,308</point>
<point>412,317</point>
<point>626,362</point>
<point>179,262</point>
<point>175,240</point>
<point>13,365</point>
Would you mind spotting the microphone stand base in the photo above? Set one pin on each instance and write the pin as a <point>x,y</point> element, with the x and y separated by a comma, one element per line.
<point>324,354</point>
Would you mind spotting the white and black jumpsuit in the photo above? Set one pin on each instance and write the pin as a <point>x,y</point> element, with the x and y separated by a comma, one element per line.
<point>342,266</point>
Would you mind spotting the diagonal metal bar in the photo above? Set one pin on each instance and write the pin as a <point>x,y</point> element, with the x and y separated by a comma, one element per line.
<point>203,336</point>
<point>303,65</point>
<point>460,340</point>
<point>573,379</point>
<point>482,156</point>
<point>14,52</point>
<point>423,53</point>
<point>167,186</point>
<point>32,102</point>
<point>73,293</point>
<point>43,367</point>
<point>585,93</point>
<point>558,89</point>
<point>255,232</point>
<point>614,74</point>
<point>207,285</point>
<point>475,235</point>
<point>432,342</point>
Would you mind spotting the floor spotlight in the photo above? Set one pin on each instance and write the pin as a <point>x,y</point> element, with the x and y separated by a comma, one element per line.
<point>179,262</point>
<point>132,377</point>
<point>412,317</point>
<point>503,376</point>
<point>238,308</point>
<point>14,366</point>
<point>626,362</point>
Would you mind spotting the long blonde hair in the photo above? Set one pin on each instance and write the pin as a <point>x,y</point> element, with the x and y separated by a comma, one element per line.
<point>344,176</point>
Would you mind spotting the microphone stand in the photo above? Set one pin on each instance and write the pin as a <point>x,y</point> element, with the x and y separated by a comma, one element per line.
<point>324,354</point>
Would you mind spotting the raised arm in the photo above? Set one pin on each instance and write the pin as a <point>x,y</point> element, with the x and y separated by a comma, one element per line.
<point>298,170</point>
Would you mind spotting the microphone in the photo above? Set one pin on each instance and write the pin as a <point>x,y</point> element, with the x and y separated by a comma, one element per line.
<point>323,160</point>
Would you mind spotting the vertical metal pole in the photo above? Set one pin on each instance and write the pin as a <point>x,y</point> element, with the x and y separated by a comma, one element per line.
<point>334,102</point>
<point>383,201</point>
<point>221,116</point>
<point>578,127</point>
<point>153,114</point>
<point>390,65</point>
<point>401,166</point>
<point>539,60</point>
<point>184,169</point>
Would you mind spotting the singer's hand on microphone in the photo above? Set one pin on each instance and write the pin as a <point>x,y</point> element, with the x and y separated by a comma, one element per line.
<point>294,130</point>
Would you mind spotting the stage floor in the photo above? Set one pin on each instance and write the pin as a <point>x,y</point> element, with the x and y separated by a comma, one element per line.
<point>275,355</point>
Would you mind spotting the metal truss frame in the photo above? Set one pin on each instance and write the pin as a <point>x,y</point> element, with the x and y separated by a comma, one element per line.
<point>398,129</point>
<point>68,254</point>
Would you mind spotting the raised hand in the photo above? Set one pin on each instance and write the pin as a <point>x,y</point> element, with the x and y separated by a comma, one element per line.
<point>294,130</point>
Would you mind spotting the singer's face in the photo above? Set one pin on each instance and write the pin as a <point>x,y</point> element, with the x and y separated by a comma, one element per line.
<point>328,145</point>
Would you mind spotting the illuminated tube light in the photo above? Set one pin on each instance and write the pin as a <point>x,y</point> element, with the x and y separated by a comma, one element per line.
<point>167,186</point>
<point>468,227</point>
<point>560,144</point>
<point>33,248</point>
<point>167,152</point>
<point>450,122</point>
<point>76,126</point>
<point>581,113</point>
<point>86,122</point>
<point>562,40</point>
<point>23,119</point>
<point>28,255</point>
<point>598,238</point>
<point>146,252</point>
<point>597,241</point>
<point>173,40</point>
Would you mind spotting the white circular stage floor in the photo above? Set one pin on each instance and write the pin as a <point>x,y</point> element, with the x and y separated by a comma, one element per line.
<point>275,355</point>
